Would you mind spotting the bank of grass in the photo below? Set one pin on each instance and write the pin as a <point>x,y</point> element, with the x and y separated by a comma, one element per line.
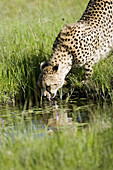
<point>99,87</point>
<point>28,30</point>
<point>89,147</point>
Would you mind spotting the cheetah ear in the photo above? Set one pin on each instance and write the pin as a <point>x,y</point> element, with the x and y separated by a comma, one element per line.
<point>57,68</point>
<point>43,65</point>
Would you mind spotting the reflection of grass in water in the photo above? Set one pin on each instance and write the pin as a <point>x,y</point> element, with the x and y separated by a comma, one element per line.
<point>76,147</point>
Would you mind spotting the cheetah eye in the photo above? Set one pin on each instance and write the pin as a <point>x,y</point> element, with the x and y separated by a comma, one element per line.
<point>48,88</point>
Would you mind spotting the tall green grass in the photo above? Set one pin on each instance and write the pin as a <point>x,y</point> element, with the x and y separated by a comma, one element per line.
<point>102,80</point>
<point>99,87</point>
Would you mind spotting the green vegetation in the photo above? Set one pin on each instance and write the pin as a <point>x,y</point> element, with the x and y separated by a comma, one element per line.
<point>75,147</point>
<point>100,85</point>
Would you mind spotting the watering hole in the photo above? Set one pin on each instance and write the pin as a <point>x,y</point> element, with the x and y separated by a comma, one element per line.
<point>51,117</point>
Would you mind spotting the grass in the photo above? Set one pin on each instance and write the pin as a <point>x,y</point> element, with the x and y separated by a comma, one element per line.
<point>99,87</point>
<point>89,147</point>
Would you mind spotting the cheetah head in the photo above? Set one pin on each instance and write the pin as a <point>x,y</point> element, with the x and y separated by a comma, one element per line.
<point>50,79</point>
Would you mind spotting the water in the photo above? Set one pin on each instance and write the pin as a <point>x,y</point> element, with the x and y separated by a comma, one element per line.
<point>52,116</point>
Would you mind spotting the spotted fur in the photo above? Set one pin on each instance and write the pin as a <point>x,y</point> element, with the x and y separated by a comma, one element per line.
<point>82,43</point>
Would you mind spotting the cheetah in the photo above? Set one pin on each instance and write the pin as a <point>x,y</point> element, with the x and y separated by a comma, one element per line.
<point>80,44</point>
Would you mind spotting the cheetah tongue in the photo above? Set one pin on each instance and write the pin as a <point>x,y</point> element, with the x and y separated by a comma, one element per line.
<point>49,99</point>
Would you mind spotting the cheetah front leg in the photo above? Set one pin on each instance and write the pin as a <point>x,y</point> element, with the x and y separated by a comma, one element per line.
<point>88,71</point>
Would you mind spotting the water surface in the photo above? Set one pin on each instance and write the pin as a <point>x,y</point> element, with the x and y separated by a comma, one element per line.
<point>52,116</point>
